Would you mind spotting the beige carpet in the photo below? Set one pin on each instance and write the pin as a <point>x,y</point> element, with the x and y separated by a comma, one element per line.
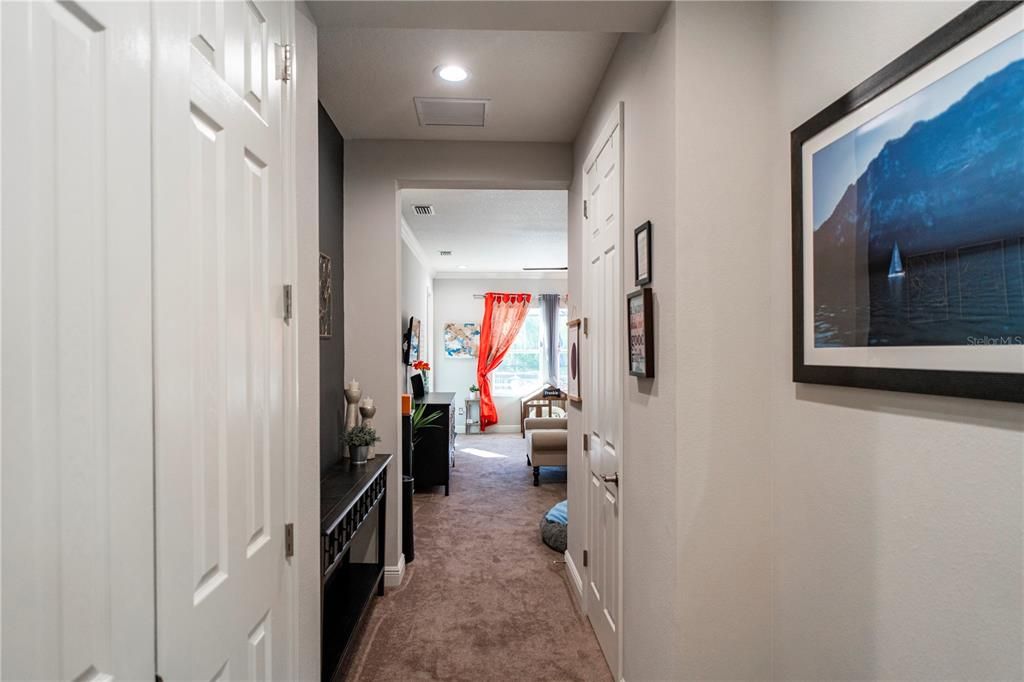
<point>483,600</point>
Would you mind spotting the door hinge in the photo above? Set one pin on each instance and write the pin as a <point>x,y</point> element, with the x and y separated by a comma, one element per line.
<point>585,216</point>
<point>284,61</point>
<point>586,558</point>
<point>158,678</point>
<point>586,326</point>
<point>287,303</point>
<point>289,540</point>
<point>586,442</point>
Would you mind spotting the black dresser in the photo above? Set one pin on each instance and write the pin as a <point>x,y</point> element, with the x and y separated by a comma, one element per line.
<point>434,454</point>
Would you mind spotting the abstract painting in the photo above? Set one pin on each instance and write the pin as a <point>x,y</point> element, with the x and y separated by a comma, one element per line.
<point>461,340</point>
<point>908,220</point>
<point>326,296</point>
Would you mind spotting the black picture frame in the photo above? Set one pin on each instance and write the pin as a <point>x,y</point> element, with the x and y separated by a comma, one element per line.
<point>574,392</point>
<point>642,254</point>
<point>411,340</point>
<point>988,385</point>
<point>640,332</point>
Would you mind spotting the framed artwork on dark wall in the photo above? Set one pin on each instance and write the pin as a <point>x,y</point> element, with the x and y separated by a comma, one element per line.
<point>642,254</point>
<point>326,298</point>
<point>640,316</point>
<point>908,220</point>
<point>574,361</point>
<point>411,342</point>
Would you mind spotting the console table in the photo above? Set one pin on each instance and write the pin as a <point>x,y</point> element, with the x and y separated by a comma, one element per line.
<point>434,454</point>
<point>349,494</point>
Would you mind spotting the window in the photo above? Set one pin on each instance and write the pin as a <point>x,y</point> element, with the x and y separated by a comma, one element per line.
<point>524,368</point>
<point>521,370</point>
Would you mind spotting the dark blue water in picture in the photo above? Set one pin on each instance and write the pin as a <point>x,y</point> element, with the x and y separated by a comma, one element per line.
<point>925,245</point>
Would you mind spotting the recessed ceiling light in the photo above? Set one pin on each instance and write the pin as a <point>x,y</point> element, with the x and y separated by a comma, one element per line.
<point>463,267</point>
<point>451,73</point>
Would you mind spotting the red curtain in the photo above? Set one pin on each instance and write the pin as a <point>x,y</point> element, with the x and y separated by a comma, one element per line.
<point>504,315</point>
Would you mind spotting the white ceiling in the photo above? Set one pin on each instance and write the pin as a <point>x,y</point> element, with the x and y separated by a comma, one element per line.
<point>539,83</point>
<point>608,16</point>
<point>489,231</point>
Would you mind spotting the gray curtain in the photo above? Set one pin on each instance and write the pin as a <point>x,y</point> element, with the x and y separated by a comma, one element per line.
<point>549,314</point>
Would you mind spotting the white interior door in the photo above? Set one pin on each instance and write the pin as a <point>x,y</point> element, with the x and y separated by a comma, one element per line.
<point>77,430</point>
<point>220,261</point>
<point>604,303</point>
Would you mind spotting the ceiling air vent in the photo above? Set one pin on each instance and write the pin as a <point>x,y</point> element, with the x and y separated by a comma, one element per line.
<point>422,209</point>
<point>444,252</point>
<point>451,111</point>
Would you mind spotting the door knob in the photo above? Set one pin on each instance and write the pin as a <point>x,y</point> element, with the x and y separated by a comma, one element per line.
<point>611,478</point>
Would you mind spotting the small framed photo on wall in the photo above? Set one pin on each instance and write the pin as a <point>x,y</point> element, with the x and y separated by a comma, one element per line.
<point>640,314</point>
<point>642,254</point>
<point>574,361</point>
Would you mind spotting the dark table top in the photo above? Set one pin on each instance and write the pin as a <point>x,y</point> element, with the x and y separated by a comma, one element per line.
<point>436,399</point>
<point>342,485</point>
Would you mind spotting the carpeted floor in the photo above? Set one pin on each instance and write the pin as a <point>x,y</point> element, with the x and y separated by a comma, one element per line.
<point>483,600</point>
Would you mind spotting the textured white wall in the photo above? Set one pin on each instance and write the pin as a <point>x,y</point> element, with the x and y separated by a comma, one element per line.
<point>897,517</point>
<point>417,283</point>
<point>374,172</point>
<point>454,302</point>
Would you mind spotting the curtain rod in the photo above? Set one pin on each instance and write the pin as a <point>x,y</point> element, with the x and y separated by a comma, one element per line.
<point>485,296</point>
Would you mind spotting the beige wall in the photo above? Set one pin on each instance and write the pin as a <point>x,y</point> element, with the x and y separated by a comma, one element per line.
<point>374,172</point>
<point>785,531</point>
<point>641,74</point>
<point>724,100</point>
<point>305,509</point>
<point>897,517</point>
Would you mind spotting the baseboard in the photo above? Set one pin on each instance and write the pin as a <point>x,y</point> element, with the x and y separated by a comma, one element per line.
<point>497,428</point>
<point>393,574</point>
<point>574,575</point>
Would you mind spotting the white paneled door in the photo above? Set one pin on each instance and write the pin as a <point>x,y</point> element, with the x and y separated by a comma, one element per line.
<point>77,430</point>
<point>604,303</point>
<point>221,339</point>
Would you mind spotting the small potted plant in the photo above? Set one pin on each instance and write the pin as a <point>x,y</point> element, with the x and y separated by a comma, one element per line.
<point>474,392</point>
<point>359,439</point>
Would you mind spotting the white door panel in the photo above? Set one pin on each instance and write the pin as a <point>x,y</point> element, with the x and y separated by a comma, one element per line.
<point>77,454</point>
<point>220,342</point>
<point>603,411</point>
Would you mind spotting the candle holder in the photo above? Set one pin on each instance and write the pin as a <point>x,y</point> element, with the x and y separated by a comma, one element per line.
<point>352,395</point>
<point>367,410</point>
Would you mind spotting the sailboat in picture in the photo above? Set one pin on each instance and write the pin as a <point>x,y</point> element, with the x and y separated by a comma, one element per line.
<point>896,263</point>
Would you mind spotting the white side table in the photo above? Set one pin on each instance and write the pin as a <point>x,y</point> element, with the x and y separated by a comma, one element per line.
<point>472,415</point>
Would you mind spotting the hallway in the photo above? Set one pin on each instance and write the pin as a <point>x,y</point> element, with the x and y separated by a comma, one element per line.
<point>483,599</point>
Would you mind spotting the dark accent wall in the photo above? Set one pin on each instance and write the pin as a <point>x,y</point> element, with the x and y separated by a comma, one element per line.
<point>332,350</point>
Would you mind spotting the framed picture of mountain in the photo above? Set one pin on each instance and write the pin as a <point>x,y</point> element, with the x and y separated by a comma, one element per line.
<point>908,220</point>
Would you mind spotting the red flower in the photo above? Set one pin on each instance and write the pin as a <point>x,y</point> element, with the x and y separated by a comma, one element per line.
<point>421,365</point>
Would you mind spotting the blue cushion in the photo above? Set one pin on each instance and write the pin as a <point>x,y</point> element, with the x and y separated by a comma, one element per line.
<point>559,513</point>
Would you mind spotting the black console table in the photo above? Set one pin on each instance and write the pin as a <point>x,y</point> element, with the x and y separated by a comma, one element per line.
<point>434,454</point>
<point>348,495</point>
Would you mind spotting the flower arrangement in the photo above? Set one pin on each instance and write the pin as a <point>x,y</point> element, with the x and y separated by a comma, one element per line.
<point>423,366</point>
